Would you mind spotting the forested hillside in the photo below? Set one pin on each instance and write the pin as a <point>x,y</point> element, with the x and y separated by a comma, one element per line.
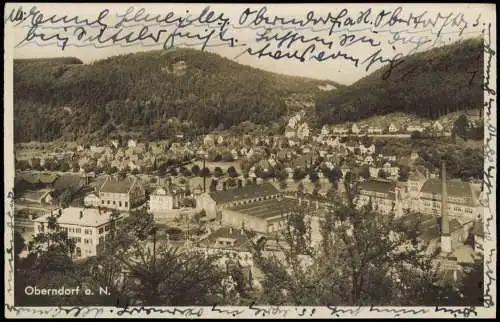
<point>154,93</point>
<point>428,84</point>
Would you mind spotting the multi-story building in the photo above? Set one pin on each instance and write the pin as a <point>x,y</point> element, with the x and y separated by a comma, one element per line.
<point>164,199</point>
<point>88,227</point>
<point>463,199</point>
<point>121,194</point>
<point>384,195</point>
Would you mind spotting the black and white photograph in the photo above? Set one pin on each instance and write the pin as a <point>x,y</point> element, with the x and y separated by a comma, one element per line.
<point>250,160</point>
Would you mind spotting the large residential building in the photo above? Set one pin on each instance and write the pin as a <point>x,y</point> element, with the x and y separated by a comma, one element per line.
<point>122,194</point>
<point>463,199</point>
<point>88,227</point>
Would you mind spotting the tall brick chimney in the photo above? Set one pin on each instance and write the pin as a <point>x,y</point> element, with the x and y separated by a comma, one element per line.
<point>445,224</point>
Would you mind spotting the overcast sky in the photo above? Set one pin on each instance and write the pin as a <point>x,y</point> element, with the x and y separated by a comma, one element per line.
<point>339,70</point>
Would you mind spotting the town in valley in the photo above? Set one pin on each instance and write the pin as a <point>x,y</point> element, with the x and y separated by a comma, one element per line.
<point>262,189</point>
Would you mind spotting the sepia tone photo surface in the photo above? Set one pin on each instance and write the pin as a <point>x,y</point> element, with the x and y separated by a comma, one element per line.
<point>250,160</point>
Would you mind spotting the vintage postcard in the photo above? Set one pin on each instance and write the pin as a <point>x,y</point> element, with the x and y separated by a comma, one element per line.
<point>250,160</point>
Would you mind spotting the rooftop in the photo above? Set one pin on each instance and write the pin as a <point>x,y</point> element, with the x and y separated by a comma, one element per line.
<point>72,216</point>
<point>455,188</point>
<point>269,208</point>
<point>378,185</point>
<point>238,235</point>
<point>247,192</point>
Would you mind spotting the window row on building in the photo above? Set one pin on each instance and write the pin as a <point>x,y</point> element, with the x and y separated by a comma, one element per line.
<point>120,204</point>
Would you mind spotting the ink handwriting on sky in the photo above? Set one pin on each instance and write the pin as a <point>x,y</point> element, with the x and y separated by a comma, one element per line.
<point>364,38</point>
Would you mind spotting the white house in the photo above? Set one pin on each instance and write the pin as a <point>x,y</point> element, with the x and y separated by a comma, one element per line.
<point>160,201</point>
<point>374,130</point>
<point>91,200</point>
<point>324,130</point>
<point>371,149</point>
<point>115,144</point>
<point>208,140</point>
<point>290,132</point>
<point>132,143</point>
<point>393,128</point>
<point>88,227</point>
<point>340,131</point>
<point>414,128</point>
<point>303,131</point>
<point>355,129</point>
<point>438,127</point>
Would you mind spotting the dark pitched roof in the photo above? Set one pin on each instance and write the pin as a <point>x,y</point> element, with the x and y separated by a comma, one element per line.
<point>247,192</point>
<point>238,235</point>
<point>383,186</point>
<point>455,188</point>
<point>114,185</point>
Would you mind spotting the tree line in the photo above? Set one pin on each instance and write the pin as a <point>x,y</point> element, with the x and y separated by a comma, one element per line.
<point>428,84</point>
<point>141,92</point>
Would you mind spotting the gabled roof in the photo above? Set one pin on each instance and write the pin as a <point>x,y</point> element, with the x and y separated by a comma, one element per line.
<point>246,192</point>
<point>115,185</point>
<point>240,238</point>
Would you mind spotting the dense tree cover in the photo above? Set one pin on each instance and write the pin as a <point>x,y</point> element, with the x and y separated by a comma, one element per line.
<point>462,129</point>
<point>363,258</point>
<point>155,273</point>
<point>462,160</point>
<point>428,84</point>
<point>150,94</point>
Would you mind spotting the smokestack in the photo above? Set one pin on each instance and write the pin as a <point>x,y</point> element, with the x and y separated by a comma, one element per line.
<point>204,178</point>
<point>445,224</point>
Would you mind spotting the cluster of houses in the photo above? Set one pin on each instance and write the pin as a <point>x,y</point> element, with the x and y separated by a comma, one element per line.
<point>433,127</point>
<point>130,156</point>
